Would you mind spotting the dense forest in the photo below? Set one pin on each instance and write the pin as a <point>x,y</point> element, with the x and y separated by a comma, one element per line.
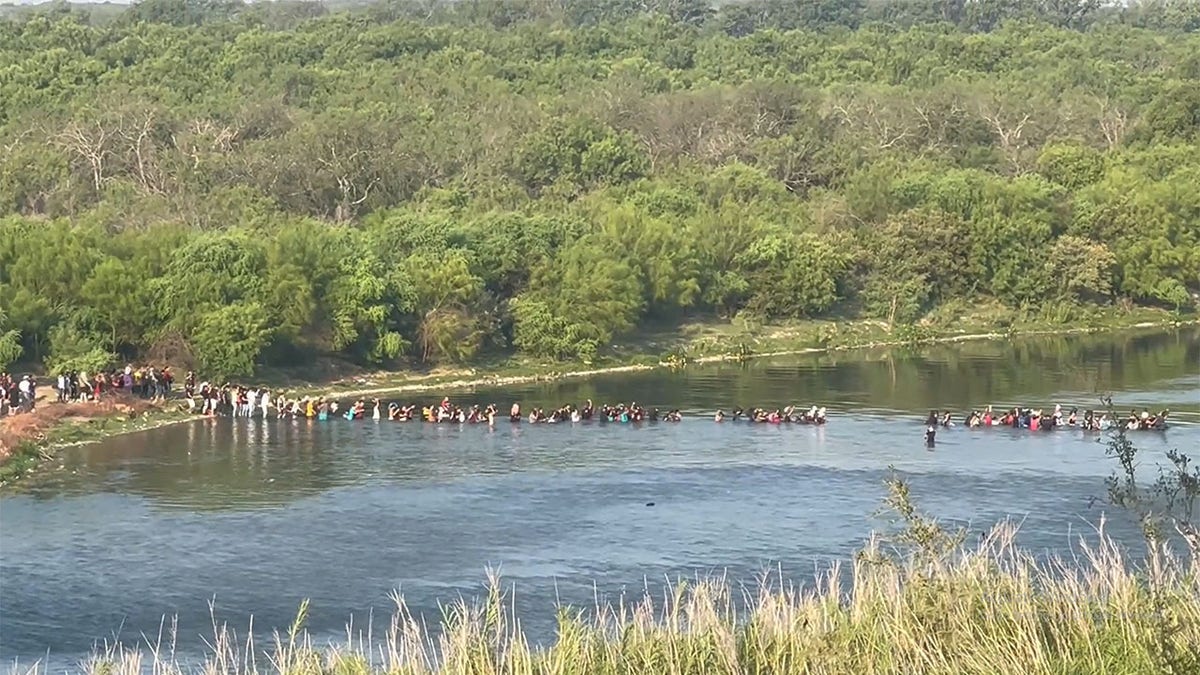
<point>267,183</point>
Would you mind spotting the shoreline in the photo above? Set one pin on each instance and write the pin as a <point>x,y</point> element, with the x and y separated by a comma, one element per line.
<point>40,450</point>
<point>510,380</point>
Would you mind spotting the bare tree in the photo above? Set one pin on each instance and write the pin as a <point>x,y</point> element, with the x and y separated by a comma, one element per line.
<point>89,143</point>
<point>888,120</point>
<point>138,131</point>
<point>351,170</point>
<point>202,137</point>
<point>1010,117</point>
<point>1114,122</point>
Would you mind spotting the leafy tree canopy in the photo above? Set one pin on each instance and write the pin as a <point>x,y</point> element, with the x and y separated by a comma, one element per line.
<point>434,181</point>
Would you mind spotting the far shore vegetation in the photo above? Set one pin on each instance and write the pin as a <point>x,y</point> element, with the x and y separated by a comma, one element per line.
<point>248,189</point>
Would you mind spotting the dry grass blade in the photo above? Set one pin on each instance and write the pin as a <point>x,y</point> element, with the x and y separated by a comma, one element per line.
<point>992,609</point>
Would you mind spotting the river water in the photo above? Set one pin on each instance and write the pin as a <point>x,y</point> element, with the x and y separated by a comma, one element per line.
<point>255,516</point>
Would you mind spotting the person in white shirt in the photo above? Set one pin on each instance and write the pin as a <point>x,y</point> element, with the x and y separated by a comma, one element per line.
<point>265,401</point>
<point>251,402</point>
<point>25,388</point>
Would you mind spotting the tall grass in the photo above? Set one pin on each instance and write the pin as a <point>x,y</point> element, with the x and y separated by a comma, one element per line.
<point>990,609</point>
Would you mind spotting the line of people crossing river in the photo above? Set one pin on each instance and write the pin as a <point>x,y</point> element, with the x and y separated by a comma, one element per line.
<point>239,401</point>
<point>1037,419</point>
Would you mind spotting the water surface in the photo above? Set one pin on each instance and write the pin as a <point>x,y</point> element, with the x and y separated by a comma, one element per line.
<point>254,516</point>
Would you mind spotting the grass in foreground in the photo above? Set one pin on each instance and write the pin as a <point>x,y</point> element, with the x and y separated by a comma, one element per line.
<point>990,609</point>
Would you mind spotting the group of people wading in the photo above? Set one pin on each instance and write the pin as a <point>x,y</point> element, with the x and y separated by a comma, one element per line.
<point>788,415</point>
<point>240,401</point>
<point>1037,420</point>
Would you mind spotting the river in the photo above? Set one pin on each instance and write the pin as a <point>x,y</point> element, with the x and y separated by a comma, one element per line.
<point>254,516</point>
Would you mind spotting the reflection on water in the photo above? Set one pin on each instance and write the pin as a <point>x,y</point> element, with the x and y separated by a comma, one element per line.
<point>260,514</point>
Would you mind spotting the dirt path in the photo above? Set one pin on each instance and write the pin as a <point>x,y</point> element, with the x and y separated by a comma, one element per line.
<point>17,429</point>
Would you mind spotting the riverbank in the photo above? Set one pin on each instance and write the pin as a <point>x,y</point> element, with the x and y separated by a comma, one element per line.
<point>471,378</point>
<point>712,342</point>
<point>938,607</point>
<point>28,443</point>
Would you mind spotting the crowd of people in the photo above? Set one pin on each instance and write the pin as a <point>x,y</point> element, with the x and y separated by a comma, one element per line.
<point>1037,420</point>
<point>17,395</point>
<point>146,382</point>
<point>157,384</point>
<point>239,401</point>
<point>788,415</point>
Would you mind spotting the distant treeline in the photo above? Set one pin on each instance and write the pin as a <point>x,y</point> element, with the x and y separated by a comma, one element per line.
<point>260,184</point>
<point>733,17</point>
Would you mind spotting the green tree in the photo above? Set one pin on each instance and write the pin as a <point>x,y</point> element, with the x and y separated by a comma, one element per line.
<point>76,349</point>
<point>663,253</point>
<point>1173,115</point>
<point>589,289</point>
<point>448,300</point>
<point>228,340</point>
<point>791,276</point>
<point>578,151</point>
<point>367,301</point>
<point>1080,270</point>
<point>116,297</point>
<point>540,332</point>
<point>10,343</point>
<point>1069,165</point>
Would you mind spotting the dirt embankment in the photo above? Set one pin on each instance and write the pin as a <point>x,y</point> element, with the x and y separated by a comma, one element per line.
<point>18,429</point>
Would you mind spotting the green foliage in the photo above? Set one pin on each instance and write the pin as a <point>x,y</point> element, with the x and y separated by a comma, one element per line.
<point>578,151</point>
<point>916,258</point>
<point>791,275</point>
<point>540,332</point>
<point>441,180</point>
<point>589,294</point>
<point>116,293</point>
<point>1071,165</point>
<point>1078,269</point>
<point>10,343</point>
<point>74,349</point>
<point>449,302</point>
<point>228,340</point>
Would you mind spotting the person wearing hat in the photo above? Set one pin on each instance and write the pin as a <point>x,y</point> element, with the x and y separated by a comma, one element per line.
<point>25,388</point>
